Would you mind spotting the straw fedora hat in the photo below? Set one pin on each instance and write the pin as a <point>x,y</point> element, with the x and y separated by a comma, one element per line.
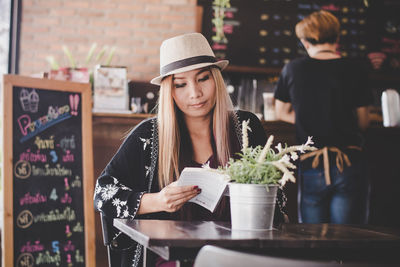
<point>184,53</point>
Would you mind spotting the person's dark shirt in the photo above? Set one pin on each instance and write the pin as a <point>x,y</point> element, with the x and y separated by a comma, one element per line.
<point>325,95</point>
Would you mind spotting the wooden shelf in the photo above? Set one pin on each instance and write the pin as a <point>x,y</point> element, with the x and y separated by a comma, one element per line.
<point>123,115</point>
<point>127,119</point>
<point>252,70</point>
<point>374,76</point>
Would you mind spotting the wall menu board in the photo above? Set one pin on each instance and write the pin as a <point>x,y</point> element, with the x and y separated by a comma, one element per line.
<point>48,173</point>
<point>260,33</point>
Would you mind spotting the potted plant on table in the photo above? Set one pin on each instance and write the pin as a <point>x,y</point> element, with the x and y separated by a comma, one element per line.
<point>256,176</point>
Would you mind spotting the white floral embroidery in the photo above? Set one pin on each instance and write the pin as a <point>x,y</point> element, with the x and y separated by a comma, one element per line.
<point>125,214</point>
<point>154,152</point>
<point>116,202</point>
<point>245,137</point>
<point>238,128</point>
<point>119,204</point>
<point>108,191</point>
<point>123,187</point>
<point>117,234</point>
<point>97,189</point>
<point>99,204</point>
<point>138,254</point>
<point>145,142</point>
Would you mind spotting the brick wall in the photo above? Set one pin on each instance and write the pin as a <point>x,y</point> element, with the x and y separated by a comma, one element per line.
<point>135,27</point>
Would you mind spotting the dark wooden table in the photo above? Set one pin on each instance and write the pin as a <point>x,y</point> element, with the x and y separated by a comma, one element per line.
<point>182,239</point>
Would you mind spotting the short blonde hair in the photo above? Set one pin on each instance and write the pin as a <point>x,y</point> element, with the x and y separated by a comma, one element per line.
<point>319,27</point>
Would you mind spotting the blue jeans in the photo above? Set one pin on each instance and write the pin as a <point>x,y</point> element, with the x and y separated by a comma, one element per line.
<point>344,201</point>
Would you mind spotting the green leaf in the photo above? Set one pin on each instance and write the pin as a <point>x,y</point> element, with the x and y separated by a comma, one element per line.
<point>101,53</point>
<point>90,54</point>
<point>110,56</point>
<point>53,63</point>
<point>69,56</point>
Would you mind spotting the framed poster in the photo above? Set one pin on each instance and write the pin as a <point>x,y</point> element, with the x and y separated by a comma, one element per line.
<point>110,89</point>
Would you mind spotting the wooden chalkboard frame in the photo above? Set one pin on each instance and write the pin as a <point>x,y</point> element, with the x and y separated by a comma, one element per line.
<point>9,81</point>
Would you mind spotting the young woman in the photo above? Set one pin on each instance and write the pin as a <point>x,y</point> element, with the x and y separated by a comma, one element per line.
<point>195,124</point>
<point>326,96</point>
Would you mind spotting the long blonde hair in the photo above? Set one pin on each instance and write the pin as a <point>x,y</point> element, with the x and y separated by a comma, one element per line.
<point>169,135</point>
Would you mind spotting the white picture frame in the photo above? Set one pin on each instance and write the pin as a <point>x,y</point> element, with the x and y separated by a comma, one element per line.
<point>110,89</point>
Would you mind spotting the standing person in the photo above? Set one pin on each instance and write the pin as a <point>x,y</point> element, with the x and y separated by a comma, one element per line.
<point>195,124</point>
<point>326,96</point>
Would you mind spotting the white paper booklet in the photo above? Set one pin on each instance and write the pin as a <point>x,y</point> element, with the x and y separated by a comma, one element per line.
<point>211,182</point>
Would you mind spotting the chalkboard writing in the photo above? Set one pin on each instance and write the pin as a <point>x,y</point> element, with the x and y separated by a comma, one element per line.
<point>48,208</point>
<point>261,33</point>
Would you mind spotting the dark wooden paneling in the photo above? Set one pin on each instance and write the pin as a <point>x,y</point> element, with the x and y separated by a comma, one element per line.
<point>383,147</point>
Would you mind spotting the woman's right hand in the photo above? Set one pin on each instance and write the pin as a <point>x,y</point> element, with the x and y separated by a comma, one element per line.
<point>172,197</point>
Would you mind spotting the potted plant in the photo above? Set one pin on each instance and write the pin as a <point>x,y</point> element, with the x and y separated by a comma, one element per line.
<point>255,178</point>
<point>78,72</point>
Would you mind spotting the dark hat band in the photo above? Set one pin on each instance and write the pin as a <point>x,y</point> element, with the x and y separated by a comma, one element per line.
<point>186,62</point>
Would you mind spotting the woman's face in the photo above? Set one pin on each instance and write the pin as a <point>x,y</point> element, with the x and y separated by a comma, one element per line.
<point>194,92</point>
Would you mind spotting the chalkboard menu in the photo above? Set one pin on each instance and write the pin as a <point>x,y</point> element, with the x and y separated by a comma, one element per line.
<point>50,177</point>
<point>260,33</point>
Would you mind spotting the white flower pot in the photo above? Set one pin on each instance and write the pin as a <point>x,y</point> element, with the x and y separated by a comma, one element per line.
<point>252,206</point>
